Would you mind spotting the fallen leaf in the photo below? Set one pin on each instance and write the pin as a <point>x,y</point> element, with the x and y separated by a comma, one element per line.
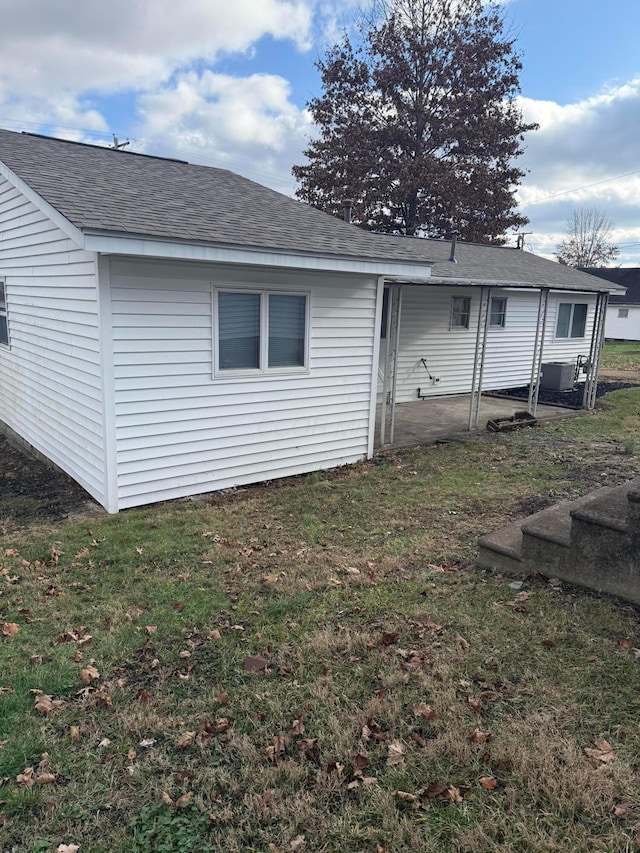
<point>297,843</point>
<point>215,634</point>
<point>619,811</point>
<point>185,740</point>
<point>405,797</point>
<point>89,674</point>
<point>602,754</point>
<point>434,789</point>
<point>488,782</point>
<point>424,710</point>
<point>44,704</point>
<point>151,629</point>
<point>105,742</point>
<point>395,753</point>
<point>625,642</point>
<point>257,664</point>
<point>475,704</point>
<point>184,799</point>
<point>297,727</point>
<point>178,607</point>
<point>478,736</point>
<point>9,629</point>
<point>454,794</point>
<point>166,799</point>
<point>74,733</point>
<point>67,848</point>
<point>147,743</point>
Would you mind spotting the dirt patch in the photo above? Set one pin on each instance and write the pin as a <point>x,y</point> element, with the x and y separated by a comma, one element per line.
<point>31,490</point>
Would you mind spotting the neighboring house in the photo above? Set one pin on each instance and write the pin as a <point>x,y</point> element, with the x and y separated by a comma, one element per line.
<point>623,312</point>
<point>169,329</point>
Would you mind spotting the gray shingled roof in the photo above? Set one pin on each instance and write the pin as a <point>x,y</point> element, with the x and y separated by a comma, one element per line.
<point>628,277</point>
<point>114,192</point>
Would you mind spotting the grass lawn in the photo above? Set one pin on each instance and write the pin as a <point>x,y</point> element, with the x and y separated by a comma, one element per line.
<point>317,665</point>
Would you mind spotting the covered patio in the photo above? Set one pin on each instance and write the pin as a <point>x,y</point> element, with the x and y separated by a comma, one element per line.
<point>425,421</point>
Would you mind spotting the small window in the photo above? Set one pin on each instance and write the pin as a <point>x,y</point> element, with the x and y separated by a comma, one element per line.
<point>623,313</point>
<point>260,330</point>
<point>572,320</point>
<point>498,312</point>
<point>4,320</point>
<point>460,312</point>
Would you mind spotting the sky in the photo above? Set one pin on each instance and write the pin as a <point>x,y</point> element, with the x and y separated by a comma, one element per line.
<point>227,83</point>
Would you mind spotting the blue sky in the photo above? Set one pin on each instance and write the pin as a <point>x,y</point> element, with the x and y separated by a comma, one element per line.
<point>226,84</point>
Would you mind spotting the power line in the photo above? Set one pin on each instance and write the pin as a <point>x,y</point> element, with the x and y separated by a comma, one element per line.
<point>577,189</point>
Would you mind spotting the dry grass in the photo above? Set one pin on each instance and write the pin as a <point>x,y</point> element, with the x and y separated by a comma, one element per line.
<point>397,678</point>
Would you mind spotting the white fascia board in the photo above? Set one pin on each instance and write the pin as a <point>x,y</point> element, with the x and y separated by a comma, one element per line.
<point>517,285</point>
<point>149,248</point>
<point>49,211</point>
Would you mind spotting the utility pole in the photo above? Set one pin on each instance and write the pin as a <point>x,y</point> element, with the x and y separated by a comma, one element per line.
<point>520,239</point>
<point>117,145</point>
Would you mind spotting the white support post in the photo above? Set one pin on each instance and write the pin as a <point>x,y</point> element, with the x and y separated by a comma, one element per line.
<point>479,358</point>
<point>386,385</point>
<point>538,349</point>
<point>597,339</point>
<point>395,343</point>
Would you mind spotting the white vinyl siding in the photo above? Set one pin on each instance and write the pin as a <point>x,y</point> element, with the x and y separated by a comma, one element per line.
<point>623,328</point>
<point>180,430</point>
<point>50,383</point>
<point>449,353</point>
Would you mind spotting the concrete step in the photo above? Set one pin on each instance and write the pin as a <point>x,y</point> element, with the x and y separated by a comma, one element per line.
<point>591,541</point>
<point>608,508</point>
<point>524,545</point>
<point>501,550</point>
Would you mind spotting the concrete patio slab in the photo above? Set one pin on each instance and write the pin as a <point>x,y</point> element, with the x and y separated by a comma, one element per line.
<point>439,418</point>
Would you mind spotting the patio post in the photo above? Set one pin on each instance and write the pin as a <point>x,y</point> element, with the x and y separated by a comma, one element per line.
<point>538,348</point>
<point>593,365</point>
<point>479,358</point>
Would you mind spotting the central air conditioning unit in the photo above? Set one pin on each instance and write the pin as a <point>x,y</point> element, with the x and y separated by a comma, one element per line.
<point>558,375</point>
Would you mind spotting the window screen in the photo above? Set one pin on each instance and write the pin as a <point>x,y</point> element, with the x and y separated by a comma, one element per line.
<point>287,321</point>
<point>498,313</point>
<point>460,311</point>
<point>579,322</point>
<point>238,331</point>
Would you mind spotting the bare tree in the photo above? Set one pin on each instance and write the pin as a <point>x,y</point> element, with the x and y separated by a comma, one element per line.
<point>588,240</point>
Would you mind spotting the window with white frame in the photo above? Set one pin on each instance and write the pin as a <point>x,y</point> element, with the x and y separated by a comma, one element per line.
<point>498,312</point>
<point>623,313</point>
<point>260,330</point>
<point>572,320</point>
<point>460,312</point>
<point>4,320</point>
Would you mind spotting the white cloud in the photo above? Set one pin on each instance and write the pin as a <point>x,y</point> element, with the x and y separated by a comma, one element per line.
<point>574,160</point>
<point>80,45</point>
<point>247,124</point>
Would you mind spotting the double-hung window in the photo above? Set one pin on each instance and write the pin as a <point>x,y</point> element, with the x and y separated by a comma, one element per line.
<point>572,320</point>
<point>498,312</point>
<point>259,331</point>
<point>460,312</point>
<point>4,320</point>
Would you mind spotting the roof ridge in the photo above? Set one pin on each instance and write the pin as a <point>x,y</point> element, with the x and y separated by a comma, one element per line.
<point>100,147</point>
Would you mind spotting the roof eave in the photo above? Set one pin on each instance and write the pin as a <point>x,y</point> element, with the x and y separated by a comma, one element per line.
<point>182,250</point>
